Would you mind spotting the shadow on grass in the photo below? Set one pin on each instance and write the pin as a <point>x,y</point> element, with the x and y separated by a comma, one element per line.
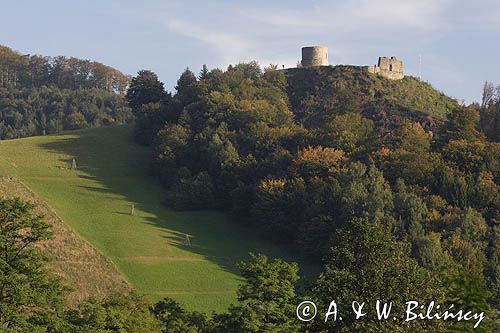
<point>109,157</point>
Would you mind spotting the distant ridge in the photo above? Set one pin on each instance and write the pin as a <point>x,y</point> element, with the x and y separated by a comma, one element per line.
<point>45,95</point>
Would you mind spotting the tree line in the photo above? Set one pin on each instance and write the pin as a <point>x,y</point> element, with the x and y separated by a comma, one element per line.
<point>29,71</point>
<point>44,95</point>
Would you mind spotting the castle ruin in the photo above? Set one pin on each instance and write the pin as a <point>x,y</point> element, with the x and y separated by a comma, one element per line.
<point>314,56</point>
<point>390,68</point>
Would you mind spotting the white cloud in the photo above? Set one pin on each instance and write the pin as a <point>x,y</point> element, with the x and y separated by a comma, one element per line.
<point>229,45</point>
<point>356,15</point>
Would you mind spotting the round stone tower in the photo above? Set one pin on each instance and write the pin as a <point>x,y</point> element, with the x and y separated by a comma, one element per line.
<point>314,56</point>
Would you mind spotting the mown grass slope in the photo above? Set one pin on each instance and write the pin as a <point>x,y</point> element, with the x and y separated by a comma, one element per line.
<point>148,247</point>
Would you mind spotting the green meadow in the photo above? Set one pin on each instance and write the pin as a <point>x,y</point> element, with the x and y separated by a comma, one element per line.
<point>148,248</point>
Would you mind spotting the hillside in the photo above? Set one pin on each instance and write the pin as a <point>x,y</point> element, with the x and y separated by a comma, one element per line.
<point>81,267</point>
<point>317,92</point>
<point>148,247</point>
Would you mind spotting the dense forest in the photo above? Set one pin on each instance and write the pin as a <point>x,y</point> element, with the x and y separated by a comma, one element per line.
<point>45,95</point>
<point>369,177</point>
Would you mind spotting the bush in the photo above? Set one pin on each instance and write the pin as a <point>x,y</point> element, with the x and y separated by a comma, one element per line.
<point>192,193</point>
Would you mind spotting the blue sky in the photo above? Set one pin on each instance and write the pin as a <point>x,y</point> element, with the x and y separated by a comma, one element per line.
<point>459,40</point>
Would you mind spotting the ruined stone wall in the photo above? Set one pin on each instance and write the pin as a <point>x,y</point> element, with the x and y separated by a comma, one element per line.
<point>390,68</point>
<point>314,56</point>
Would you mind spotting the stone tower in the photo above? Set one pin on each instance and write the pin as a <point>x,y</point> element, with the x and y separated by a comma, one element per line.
<point>390,68</point>
<point>314,56</point>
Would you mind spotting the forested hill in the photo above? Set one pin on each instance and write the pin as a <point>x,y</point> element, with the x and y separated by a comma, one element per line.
<point>318,92</point>
<point>342,167</point>
<point>43,95</point>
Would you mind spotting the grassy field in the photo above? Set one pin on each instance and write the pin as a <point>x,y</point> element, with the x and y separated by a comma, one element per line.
<point>148,247</point>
